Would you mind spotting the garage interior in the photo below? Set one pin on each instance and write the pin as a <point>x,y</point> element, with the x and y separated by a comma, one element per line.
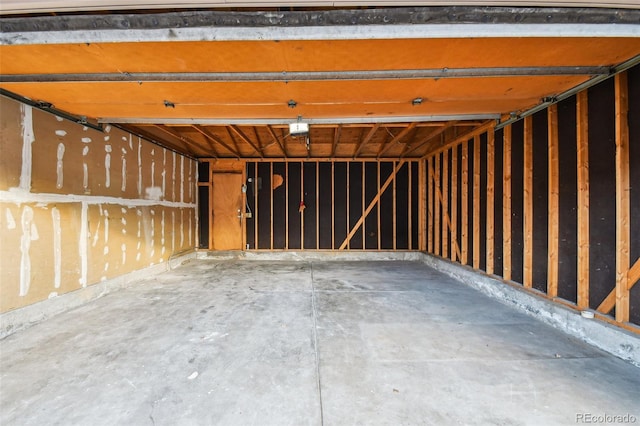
<point>319,213</point>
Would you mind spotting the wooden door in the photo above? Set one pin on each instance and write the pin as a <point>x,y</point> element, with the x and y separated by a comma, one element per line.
<point>227,206</point>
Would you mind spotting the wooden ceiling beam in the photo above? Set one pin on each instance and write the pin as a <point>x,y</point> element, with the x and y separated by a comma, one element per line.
<point>396,139</point>
<point>186,142</point>
<point>246,139</point>
<point>277,140</point>
<point>428,139</point>
<point>207,134</point>
<point>233,139</point>
<point>366,139</point>
<point>210,143</point>
<point>336,139</point>
<point>446,144</point>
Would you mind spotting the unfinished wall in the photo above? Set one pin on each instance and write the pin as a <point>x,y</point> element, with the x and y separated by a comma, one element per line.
<point>78,206</point>
<point>348,205</point>
<point>551,202</point>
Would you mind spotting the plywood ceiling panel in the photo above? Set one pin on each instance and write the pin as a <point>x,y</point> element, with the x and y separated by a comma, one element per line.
<point>314,55</point>
<point>158,88</point>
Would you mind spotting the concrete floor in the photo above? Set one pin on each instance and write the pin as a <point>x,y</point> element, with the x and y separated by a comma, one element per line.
<point>305,343</point>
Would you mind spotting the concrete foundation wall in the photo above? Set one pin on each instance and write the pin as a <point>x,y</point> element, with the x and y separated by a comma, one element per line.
<point>79,206</point>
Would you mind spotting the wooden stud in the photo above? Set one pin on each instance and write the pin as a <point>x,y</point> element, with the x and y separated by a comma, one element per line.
<point>464,207</point>
<point>373,202</point>
<point>255,205</point>
<point>430,206</point>
<point>271,202</point>
<point>317,205</point>
<point>333,204</point>
<point>286,205</point>
<point>395,217</point>
<point>436,221</point>
<point>210,209</point>
<point>506,204</point>
<point>348,208</point>
<point>554,202</point>
<point>422,205</point>
<point>623,188</point>
<point>609,302</point>
<point>379,225</point>
<point>490,201</point>
<point>447,221</point>
<point>302,199</point>
<point>476,202</point>
<point>528,202</point>
<point>454,202</point>
<point>582,150</point>
<point>364,230</point>
<point>410,208</point>
<point>445,202</point>
<point>244,210</point>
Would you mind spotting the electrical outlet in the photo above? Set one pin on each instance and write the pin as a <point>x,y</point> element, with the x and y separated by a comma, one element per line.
<point>248,215</point>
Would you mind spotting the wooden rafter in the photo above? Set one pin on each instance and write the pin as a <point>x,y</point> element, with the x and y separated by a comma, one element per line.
<point>277,140</point>
<point>446,144</point>
<point>207,134</point>
<point>372,204</point>
<point>233,138</point>
<point>258,141</point>
<point>246,139</point>
<point>408,149</point>
<point>336,140</point>
<point>396,139</point>
<point>366,139</point>
<point>210,143</point>
<point>186,142</point>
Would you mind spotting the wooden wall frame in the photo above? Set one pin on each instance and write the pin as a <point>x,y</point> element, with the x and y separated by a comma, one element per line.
<point>444,189</point>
